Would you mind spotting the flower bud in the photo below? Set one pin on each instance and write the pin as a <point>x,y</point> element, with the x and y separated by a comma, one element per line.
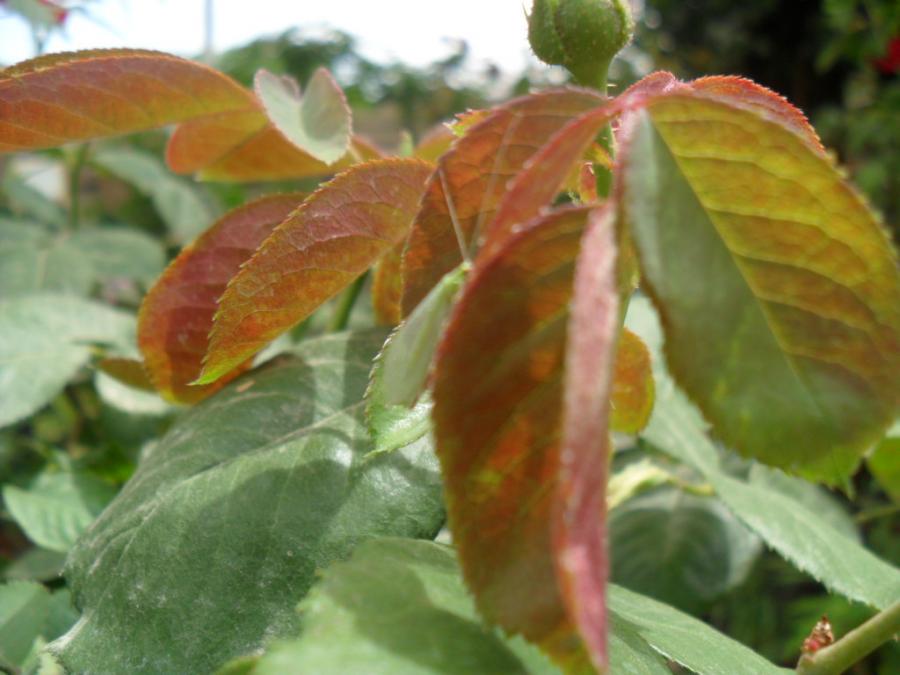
<point>582,35</point>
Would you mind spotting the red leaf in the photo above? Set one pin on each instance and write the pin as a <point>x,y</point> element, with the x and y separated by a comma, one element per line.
<point>245,146</point>
<point>60,98</point>
<point>476,170</point>
<point>177,313</point>
<point>582,562</point>
<point>387,286</point>
<point>335,236</point>
<point>498,394</point>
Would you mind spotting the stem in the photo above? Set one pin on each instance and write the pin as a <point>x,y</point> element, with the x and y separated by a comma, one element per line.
<point>75,168</point>
<point>345,304</point>
<point>854,646</point>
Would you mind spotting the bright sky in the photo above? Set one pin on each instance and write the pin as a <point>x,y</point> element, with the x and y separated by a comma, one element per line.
<point>411,31</point>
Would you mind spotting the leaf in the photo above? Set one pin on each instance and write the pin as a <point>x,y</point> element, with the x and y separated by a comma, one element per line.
<point>121,396</point>
<point>177,313</point>
<point>24,609</point>
<point>800,535</point>
<point>46,339</point>
<point>180,205</point>
<point>206,551</point>
<point>387,287</point>
<point>59,98</point>
<point>57,507</point>
<point>684,639</point>
<point>434,143</point>
<point>32,259</point>
<point>679,548</point>
<point>36,564</point>
<point>475,171</point>
<point>26,200</point>
<point>497,393</point>
<point>397,607</point>
<point>121,252</point>
<point>579,536</point>
<point>789,341</point>
<point>335,236</point>
<point>318,122</point>
<point>633,388</point>
<point>396,410</point>
<point>884,462</point>
<point>245,146</point>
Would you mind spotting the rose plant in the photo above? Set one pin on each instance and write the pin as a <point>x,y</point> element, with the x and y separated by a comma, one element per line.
<point>681,266</point>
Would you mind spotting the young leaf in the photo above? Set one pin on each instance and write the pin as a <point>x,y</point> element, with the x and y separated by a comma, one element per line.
<point>497,393</point>
<point>245,146</point>
<point>396,413</point>
<point>335,236</point>
<point>318,122</point>
<point>790,340</point>
<point>475,172</point>
<point>205,553</point>
<point>631,398</point>
<point>579,539</point>
<point>798,533</point>
<point>59,98</point>
<point>375,614</point>
<point>57,507</point>
<point>46,339</point>
<point>177,313</point>
<point>387,287</point>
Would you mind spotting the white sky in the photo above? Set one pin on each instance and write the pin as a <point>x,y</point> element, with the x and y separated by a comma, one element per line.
<point>411,31</point>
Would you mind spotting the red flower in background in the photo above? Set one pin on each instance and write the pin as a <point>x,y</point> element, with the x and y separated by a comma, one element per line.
<point>890,62</point>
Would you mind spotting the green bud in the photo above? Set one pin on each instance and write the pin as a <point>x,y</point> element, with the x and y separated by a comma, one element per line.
<point>582,35</point>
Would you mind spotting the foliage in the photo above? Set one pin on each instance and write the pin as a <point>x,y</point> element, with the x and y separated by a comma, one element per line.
<point>669,305</point>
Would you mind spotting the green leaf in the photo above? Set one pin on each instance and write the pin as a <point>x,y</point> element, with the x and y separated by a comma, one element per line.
<point>57,507</point>
<point>33,203</point>
<point>683,638</point>
<point>397,607</point>
<point>32,259</point>
<point>206,551</point>
<point>318,122</point>
<point>396,413</point>
<point>679,548</point>
<point>24,609</point>
<point>179,204</point>
<point>778,288</point>
<point>129,399</point>
<point>884,462</point>
<point>797,533</point>
<point>36,564</point>
<point>121,252</point>
<point>46,339</point>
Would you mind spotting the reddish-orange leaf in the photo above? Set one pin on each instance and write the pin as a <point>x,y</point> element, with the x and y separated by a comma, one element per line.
<point>177,313</point>
<point>55,99</point>
<point>434,143</point>
<point>127,371</point>
<point>475,172</point>
<point>582,563</point>
<point>244,146</point>
<point>545,173</point>
<point>387,287</point>
<point>344,227</point>
<point>498,394</point>
<point>633,389</point>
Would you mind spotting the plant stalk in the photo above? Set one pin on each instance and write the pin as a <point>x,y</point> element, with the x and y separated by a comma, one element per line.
<point>341,315</point>
<point>854,646</point>
<point>75,168</point>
